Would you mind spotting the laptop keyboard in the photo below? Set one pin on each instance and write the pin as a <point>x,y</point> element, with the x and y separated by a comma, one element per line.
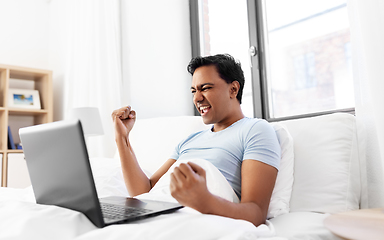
<point>112,211</point>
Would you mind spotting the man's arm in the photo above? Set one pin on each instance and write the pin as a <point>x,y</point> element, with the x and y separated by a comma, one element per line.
<point>135,179</point>
<point>188,186</point>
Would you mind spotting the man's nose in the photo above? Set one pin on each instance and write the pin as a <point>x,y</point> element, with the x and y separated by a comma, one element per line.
<point>198,97</point>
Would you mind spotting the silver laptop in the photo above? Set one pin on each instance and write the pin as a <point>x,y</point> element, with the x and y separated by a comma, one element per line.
<point>61,175</point>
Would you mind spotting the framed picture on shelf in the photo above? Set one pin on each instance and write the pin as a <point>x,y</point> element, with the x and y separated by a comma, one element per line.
<point>23,98</point>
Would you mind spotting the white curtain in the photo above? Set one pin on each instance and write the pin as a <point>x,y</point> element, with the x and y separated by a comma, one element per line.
<point>367,36</point>
<point>93,64</point>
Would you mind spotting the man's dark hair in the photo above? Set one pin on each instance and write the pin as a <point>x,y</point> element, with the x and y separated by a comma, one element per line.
<point>228,68</point>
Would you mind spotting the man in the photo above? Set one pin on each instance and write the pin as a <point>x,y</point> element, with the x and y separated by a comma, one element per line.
<point>245,150</point>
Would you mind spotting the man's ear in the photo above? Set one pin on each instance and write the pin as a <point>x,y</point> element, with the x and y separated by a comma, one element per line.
<point>235,86</point>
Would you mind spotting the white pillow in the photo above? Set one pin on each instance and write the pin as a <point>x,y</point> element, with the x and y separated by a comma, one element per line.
<point>282,191</point>
<point>154,139</point>
<point>327,177</point>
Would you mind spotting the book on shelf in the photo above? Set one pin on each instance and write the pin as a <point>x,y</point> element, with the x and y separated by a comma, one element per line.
<point>11,143</point>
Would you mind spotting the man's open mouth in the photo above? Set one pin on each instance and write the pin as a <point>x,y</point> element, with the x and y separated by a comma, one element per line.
<point>204,110</point>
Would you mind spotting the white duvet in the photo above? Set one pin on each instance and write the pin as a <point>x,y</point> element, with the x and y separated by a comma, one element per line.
<point>22,218</point>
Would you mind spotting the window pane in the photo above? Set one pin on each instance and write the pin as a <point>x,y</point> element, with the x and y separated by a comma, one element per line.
<point>308,57</point>
<point>224,29</point>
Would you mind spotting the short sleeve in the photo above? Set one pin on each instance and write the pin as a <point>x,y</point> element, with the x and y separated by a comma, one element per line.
<point>261,144</point>
<point>175,153</point>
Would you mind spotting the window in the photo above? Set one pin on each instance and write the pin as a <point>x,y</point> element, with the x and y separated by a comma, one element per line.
<point>307,60</point>
<point>304,70</point>
<point>300,52</point>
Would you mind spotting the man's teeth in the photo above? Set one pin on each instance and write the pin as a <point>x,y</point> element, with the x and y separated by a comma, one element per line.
<point>204,109</point>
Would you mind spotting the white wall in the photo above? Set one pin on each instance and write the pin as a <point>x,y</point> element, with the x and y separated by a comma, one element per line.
<point>57,54</point>
<point>156,50</point>
<point>24,33</point>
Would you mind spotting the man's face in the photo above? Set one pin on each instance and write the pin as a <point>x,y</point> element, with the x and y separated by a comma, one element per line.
<point>211,95</point>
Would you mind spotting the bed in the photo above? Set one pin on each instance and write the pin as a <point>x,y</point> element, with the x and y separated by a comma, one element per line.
<point>307,189</point>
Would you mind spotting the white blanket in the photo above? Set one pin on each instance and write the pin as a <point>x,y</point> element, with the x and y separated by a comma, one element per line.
<point>22,218</point>
<point>216,182</point>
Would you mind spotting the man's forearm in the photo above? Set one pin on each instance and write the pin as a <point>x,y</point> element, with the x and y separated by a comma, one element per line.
<point>135,179</point>
<point>248,211</point>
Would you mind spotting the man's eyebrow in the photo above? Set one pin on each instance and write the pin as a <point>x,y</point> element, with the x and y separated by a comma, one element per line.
<point>202,85</point>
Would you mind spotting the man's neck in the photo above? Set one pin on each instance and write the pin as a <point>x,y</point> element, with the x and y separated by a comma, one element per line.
<point>236,116</point>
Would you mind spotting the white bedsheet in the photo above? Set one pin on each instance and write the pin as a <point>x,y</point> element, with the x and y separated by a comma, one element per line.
<point>22,218</point>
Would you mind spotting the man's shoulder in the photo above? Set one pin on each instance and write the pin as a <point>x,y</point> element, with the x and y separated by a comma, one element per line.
<point>256,126</point>
<point>255,122</point>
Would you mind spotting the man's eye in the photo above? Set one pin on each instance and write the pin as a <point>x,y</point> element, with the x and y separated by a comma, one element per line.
<point>206,88</point>
<point>193,91</point>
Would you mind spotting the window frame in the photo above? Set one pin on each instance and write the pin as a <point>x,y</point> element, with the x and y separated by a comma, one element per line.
<point>195,34</point>
<point>195,28</point>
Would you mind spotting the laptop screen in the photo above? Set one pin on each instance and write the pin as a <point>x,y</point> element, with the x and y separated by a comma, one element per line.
<point>59,168</point>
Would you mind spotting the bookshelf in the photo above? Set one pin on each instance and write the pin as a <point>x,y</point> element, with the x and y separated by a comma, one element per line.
<point>12,77</point>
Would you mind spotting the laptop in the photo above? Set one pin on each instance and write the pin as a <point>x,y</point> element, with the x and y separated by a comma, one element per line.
<point>61,175</point>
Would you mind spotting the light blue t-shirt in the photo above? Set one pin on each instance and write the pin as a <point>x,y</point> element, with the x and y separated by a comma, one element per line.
<point>248,138</point>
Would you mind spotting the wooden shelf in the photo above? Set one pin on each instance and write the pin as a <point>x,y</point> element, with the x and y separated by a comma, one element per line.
<point>14,151</point>
<point>41,80</point>
<point>26,112</point>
